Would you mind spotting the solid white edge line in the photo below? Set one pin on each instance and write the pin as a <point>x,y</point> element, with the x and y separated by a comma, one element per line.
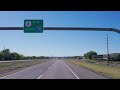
<point>48,68</point>
<point>71,71</point>
<point>21,70</point>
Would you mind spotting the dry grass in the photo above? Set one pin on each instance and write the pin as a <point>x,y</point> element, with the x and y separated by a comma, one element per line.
<point>107,70</point>
<point>9,66</point>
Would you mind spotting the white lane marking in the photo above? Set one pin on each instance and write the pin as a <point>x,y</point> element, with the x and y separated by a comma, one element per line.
<point>49,67</point>
<point>53,64</point>
<point>71,71</point>
<point>46,70</point>
<point>21,70</point>
<point>39,77</point>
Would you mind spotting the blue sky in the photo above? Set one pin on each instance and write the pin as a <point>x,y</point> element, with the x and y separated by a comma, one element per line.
<point>60,43</point>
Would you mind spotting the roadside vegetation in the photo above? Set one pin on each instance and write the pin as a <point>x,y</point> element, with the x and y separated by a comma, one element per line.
<point>101,66</point>
<point>11,66</point>
<point>89,54</point>
<point>16,63</point>
<point>8,55</point>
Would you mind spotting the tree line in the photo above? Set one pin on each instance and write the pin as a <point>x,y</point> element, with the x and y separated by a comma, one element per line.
<point>6,54</point>
<point>91,54</point>
<point>73,57</point>
<point>88,55</point>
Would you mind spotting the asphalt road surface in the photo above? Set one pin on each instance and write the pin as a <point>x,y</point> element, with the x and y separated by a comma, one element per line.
<point>54,69</point>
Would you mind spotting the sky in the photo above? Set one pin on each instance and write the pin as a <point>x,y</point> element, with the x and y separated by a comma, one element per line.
<point>60,43</point>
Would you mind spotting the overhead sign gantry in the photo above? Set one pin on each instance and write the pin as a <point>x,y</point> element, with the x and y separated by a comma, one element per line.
<point>36,26</point>
<point>66,28</point>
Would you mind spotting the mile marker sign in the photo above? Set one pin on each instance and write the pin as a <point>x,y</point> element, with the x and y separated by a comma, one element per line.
<point>33,26</point>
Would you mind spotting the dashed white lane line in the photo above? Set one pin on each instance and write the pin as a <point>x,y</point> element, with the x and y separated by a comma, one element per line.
<point>52,65</point>
<point>71,71</point>
<point>20,71</point>
<point>39,77</point>
<point>45,71</point>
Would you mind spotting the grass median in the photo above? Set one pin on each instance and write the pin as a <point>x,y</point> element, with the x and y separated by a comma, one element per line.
<point>14,65</point>
<point>106,70</point>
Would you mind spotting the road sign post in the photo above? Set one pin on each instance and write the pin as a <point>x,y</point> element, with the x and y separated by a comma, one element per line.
<point>33,26</point>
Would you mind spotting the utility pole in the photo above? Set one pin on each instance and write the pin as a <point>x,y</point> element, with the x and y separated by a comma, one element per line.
<point>108,56</point>
<point>4,47</point>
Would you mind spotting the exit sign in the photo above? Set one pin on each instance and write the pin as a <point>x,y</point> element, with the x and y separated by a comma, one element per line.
<point>33,26</point>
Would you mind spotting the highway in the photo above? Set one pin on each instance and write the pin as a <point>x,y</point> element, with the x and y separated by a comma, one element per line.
<point>54,69</point>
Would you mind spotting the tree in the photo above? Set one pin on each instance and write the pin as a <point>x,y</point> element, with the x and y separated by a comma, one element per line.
<point>14,56</point>
<point>85,55</point>
<point>89,54</point>
<point>41,57</point>
<point>22,57</point>
<point>1,56</point>
<point>6,54</point>
<point>28,57</point>
<point>33,57</point>
<point>116,57</point>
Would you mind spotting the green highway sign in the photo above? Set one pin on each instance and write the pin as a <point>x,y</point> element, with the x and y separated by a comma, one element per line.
<point>33,26</point>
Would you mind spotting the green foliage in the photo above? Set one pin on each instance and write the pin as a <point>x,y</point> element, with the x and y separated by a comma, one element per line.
<point>85,56</point>
<point>1,56</point>
<point>22,57</point>
<point>115,57</point>
<point>7,55</point>
<point>89,54</point>
<point>14,56</point>
<point>35,57</point>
